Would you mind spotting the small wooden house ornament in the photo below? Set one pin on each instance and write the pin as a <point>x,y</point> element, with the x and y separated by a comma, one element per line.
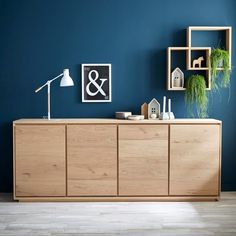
<point>177,78</point>
<point>153,109</point>
<point>144,110</point>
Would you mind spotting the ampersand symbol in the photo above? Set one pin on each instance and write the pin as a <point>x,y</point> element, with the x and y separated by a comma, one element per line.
<point>93,81</point>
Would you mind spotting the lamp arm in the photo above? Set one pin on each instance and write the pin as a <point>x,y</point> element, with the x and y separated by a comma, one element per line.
<point>48,82</point>
<point>38,89</point>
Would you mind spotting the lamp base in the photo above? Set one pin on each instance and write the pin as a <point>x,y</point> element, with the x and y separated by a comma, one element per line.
<point>46,118</point>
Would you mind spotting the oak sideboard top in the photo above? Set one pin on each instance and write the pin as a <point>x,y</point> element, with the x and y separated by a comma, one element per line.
<point>114,121</point>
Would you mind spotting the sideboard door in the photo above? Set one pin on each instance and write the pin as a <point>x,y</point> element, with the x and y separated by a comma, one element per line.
<point>194,159</point>
<point>92,160</point>
<point>40,160</point>
<point>143,160</point>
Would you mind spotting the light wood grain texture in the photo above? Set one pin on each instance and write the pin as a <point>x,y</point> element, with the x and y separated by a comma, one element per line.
<point>178,48</point>
<point>114,121</point>
<point>92,160</point>
<point>87,157</point>
<point>40,160</point>
<point>229,44</point>
<point>168,69</point>
<point>194,159</point>
<point>120,199</point>
<point>209,28</point>
<point>119,218</point>
<point>14,160</point>
<point>143,160</point>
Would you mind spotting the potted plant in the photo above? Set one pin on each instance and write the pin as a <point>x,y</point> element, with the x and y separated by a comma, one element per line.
<point>196,95</point>
<point>220,59</point>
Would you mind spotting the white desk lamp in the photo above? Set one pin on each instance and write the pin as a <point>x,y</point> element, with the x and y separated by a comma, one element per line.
<point>66,81</point>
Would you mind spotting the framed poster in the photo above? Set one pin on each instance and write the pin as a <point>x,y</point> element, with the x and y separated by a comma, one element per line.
<point>96,82</point>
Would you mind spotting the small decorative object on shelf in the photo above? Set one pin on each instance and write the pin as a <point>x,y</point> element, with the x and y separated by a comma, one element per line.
<point>144,110</point>
<point>153,116</point>
<point>171,114</point>
<point>123,114</point>
<point>164,115</point>
<point>136,117</point>
<point>177,78</point>
<point>198,62</point>
<point>153,108</point>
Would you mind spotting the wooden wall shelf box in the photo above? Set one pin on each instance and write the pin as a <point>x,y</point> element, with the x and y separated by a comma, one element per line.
<point>189,48</point>
<point>117,160</point>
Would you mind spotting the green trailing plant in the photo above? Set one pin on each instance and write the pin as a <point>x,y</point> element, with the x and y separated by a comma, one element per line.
<point>219,56</point>
<point>196,95</point>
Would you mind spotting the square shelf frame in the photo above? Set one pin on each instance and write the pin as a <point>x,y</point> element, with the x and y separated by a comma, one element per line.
<point>170,50</point>
<point>169,56</point>
<point>228,38</point>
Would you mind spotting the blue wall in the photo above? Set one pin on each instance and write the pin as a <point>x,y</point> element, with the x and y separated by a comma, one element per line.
<point>40,38</point>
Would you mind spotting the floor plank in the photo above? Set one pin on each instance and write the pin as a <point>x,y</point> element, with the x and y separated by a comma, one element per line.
<point>119,218</point>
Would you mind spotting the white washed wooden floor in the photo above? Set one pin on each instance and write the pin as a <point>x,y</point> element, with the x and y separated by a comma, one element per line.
<point>136,219</point>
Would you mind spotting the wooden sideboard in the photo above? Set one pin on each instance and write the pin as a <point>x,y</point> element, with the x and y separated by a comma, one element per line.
<point>116,160</point>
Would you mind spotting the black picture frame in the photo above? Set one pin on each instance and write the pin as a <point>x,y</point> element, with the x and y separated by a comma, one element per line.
<point>96,82</point>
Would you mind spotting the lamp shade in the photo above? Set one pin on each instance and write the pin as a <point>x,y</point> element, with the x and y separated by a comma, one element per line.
<point>66,80</point>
